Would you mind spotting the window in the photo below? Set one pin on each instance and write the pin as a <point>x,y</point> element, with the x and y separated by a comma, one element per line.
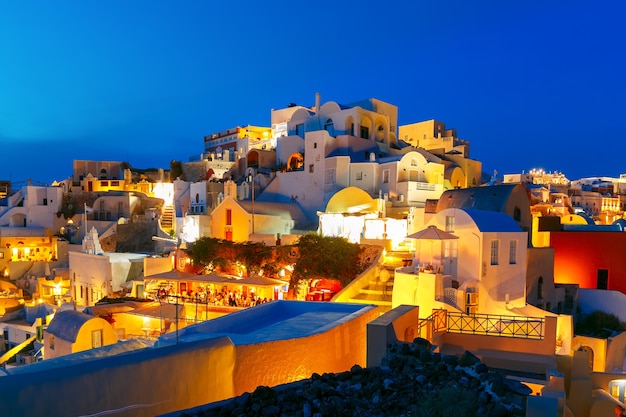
<point>495,244</point>
<point>450,224</point>
<point>386,176</point>
<point>51,340</point>
<point>96,338</point>
<point>359,175</point>
<point>352,129</point>
<point>513,252</point>
<point>328,126</point>
<point>365,132</point>
<point>517,214</point>
<point>314,145</point>
<point>229,217</point>
<point>300,130</point>
<point>311,168</point>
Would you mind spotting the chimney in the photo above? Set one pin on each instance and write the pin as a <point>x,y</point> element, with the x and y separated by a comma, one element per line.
<point>317,103</point>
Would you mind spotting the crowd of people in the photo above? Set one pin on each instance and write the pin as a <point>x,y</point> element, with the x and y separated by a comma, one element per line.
<point>211,296</point>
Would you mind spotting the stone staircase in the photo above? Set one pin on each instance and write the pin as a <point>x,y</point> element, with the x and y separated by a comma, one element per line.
<point>378,293</point>
<point>167,218</point>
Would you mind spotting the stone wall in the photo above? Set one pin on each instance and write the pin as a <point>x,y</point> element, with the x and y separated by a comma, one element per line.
<point>412,380</point>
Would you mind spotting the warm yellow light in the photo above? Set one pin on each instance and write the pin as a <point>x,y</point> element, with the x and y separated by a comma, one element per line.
<point>40,301</point>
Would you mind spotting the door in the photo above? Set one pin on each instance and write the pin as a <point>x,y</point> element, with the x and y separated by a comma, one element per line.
<point>603,279</point>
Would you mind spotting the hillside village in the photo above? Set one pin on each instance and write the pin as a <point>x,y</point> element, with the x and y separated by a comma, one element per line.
<point>99,283</point>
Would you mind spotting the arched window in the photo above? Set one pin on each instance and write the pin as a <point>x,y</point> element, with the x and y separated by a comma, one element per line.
<point>380,133</point>
<point>329,127</point>
<point>517,214</point>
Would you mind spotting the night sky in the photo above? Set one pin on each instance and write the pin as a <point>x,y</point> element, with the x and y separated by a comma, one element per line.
<point>534,84</point>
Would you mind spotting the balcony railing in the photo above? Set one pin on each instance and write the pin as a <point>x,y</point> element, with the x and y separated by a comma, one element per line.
<point>496,325</point>
<point>425,186</point>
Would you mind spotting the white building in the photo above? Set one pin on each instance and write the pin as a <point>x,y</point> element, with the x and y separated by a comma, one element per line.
<point>95,274</point>
<point>483,271</point>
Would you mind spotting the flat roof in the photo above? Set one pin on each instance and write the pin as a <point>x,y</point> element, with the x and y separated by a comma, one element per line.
<point>273,321</point>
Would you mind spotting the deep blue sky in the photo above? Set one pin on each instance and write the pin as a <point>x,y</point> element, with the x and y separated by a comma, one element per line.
<point>534,84</point>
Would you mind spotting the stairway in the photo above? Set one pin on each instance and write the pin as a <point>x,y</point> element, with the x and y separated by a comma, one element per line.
<point>167,218</point>
<point>378,293</point>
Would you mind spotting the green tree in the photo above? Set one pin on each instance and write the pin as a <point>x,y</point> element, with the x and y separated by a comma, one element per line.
<point>203,252</point>
<point>598,324</point>
<point>326,257</point>
<point>280,258</point>
<point>253,256</point>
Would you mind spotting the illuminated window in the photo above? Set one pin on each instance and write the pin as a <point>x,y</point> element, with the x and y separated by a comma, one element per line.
<point>450,224</point>
<point>513,252</point>
<point>495,246</point>
<point>96,338</point>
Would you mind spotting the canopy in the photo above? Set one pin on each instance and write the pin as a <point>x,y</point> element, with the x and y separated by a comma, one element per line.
<point>164,311</point>
<point>432,233</point>
<point>259,281</point>
<point>174,275</point>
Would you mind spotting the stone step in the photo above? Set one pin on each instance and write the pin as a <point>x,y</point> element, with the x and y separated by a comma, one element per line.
<point>372,298</point>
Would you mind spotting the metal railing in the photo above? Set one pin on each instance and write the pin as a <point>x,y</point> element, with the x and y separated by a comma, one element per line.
<point>481,324</point>
<point>496,325</point>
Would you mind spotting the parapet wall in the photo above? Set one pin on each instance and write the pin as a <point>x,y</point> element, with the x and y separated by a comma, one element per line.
<point>141,383</point>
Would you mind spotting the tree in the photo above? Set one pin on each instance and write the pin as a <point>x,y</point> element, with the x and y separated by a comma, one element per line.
<point>203,252</point>
<point>326,257</point>
<point>599,324</point>
<point>253,256</point>
<point>280,258</point>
